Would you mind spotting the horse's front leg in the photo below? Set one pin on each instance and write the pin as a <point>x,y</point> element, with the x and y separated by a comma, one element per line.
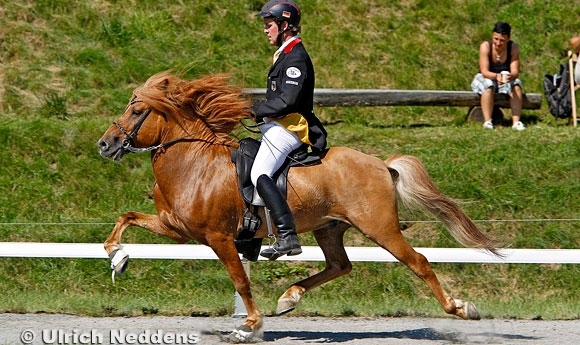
<point>119,259</point>
<point>225,249</point>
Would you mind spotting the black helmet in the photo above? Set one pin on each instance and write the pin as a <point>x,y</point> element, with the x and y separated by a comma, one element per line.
<point>282,11</point>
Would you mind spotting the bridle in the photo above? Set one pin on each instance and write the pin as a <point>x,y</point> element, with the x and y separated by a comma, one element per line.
<point>128,146</point>
<point>127,143</point>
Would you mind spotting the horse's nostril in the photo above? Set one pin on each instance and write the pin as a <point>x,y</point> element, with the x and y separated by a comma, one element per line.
<point>102,145</point>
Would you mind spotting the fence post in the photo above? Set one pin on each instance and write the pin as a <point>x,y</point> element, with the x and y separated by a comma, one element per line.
<point>239,307</point>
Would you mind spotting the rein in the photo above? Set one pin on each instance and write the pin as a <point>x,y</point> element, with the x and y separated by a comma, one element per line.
<point>251,128</point>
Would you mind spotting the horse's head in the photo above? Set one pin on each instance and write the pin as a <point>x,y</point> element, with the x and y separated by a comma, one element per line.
<point>168,109</point>
<point>139,128</point>
<point>134,131</point>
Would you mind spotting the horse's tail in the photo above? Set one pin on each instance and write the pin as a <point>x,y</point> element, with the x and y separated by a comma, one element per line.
<point>416,190</point>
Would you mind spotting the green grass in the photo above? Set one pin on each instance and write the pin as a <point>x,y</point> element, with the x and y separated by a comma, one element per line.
<point>67,70</point>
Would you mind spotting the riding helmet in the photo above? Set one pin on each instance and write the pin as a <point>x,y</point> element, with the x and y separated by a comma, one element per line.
<point>282,11</point>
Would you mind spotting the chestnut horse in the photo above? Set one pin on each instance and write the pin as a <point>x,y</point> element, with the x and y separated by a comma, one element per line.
<point>187,125</point>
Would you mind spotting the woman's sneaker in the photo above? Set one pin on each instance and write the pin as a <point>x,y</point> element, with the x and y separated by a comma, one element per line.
<point>488,125</point>
<point>519,126</point>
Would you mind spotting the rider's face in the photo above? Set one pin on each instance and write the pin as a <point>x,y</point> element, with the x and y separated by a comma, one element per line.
<point>271,30</point>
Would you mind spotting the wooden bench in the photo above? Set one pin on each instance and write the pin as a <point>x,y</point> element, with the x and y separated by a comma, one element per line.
<point>379,97</point>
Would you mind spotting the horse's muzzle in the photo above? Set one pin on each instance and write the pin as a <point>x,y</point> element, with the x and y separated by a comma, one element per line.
<point>115,152</point>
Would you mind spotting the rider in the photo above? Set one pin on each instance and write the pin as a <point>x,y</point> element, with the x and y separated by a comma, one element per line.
<point>286,117</point>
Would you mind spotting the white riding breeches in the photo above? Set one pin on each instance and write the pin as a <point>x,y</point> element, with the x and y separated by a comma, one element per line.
<point>277,143</point>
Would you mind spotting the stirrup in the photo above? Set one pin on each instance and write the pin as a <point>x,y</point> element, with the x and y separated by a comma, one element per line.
<point>272,253</point>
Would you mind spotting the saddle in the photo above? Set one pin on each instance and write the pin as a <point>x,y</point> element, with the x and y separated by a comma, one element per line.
<point>243,158</point>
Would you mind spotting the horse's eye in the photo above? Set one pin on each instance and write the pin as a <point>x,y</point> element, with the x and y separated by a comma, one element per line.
<point>136,112</point>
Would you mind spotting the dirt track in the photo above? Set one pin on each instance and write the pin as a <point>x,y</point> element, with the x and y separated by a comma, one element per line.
<point>16,328</point>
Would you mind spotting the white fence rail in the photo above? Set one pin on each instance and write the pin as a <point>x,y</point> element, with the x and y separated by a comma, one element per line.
<point>310,253</point>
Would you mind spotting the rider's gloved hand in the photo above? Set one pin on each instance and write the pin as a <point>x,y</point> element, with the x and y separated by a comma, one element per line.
<point>259,119</point>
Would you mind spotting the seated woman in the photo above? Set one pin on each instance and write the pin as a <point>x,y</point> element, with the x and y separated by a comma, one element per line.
<point>499,67</point>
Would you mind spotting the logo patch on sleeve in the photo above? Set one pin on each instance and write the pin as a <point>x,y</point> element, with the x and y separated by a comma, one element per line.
<point>293,72</point>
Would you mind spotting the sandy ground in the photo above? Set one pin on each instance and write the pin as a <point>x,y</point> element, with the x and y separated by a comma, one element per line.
<point>70,329</point>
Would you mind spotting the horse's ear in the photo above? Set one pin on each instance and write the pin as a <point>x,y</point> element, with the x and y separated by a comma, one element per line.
<point>163,85</point>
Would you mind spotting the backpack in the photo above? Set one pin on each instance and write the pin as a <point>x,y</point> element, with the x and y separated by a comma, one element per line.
<point>557,92</point>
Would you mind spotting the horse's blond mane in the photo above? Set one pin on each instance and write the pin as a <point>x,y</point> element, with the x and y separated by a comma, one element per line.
<point>211,99</point>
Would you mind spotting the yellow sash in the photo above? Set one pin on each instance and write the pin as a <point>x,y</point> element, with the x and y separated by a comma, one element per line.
<point>295,123</point>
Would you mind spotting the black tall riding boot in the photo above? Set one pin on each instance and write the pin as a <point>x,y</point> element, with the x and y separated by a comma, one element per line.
<point>287,243</point>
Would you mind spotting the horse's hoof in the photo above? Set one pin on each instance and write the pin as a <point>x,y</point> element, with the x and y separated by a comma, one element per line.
<point>284,307</point>
<point>119,261</point>
<point>288,301</point>
<point>243,335</point>
<point>467,310</point>
<point>471,311</point>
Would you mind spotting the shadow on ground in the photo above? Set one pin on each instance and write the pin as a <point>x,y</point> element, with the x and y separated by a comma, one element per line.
<point>415,334</point>
<point>379,337</point>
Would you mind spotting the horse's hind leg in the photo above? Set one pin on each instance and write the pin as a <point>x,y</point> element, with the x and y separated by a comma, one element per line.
<point>330,240</point>
<point>395,243</point>
<point>119,259</point>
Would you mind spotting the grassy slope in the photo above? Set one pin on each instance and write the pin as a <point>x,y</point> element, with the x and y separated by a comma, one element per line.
<point>67,69</point>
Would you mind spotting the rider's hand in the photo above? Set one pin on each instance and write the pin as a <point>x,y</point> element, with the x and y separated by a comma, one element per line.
<point>258,119</point>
